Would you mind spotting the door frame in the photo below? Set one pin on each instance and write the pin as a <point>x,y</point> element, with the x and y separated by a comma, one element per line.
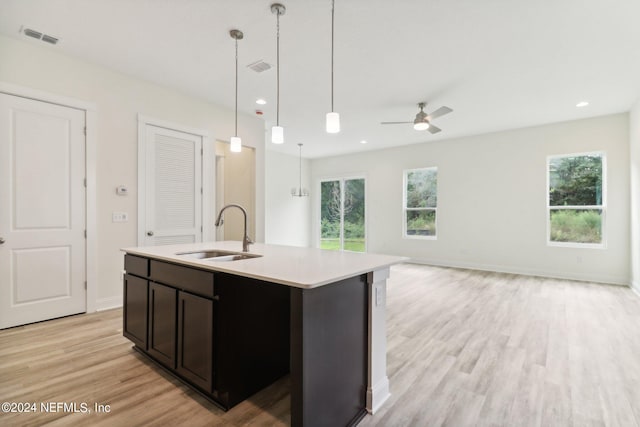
<point>91,138</point>
<point>208,174</point>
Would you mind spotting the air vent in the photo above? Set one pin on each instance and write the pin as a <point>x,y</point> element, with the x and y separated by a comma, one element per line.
<point>40,36</point>
<point>259,66</point>
<point>49,39</point>
<point>31,33</point>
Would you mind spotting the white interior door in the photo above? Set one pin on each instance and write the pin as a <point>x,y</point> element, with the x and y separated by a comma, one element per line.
<point>173,187</point>
<point>42,211</point>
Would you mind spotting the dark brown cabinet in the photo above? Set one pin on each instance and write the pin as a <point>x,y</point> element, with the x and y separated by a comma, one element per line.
<point>203,326</point>
<point>195,340</point>
<point>135,310</point>
<point>162,324</point>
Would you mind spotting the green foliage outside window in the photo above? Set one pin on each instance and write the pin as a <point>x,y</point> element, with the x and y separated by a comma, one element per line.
<point>421,202</point>
<point>575,198</point>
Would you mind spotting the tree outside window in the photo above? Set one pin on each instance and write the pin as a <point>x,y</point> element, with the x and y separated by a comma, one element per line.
<point>420,202</point>
<point>576,198</point>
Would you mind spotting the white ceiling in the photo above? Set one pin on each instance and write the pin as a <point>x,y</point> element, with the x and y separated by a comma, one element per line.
<point>499,64</point>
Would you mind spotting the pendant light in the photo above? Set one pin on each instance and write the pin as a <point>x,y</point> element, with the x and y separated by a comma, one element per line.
<point>236,142</point>
<point>299,192</point>
<point>277,132</point>
<point>333,118</point>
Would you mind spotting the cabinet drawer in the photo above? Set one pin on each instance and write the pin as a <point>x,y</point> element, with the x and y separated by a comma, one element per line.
<point>189,279</point>
<point>136,265</point>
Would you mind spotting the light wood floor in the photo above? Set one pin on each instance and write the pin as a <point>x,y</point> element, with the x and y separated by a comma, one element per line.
<point>464,348</point>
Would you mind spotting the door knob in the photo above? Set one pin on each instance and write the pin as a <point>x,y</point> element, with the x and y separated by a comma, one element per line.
<point>149,233</point>
<point>2,240</point>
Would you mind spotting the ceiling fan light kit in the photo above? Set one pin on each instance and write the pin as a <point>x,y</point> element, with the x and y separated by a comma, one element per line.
<point>423,120</point>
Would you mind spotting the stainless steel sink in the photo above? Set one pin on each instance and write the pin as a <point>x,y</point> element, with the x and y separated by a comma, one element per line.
<point>217,255</point>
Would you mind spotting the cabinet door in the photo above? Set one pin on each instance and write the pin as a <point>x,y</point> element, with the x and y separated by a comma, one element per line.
<point>195,340</point>
<point>135,310</point>
<point>162,324</point>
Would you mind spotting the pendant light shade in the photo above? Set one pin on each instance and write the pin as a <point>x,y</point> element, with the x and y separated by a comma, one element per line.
<point>236,142</point>
<point>333,122</point>
<point>333,118</point>
<point>277,135</point>
<point>277,131</point>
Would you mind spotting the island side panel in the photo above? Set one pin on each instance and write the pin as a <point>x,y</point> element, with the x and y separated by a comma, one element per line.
<point>329,346</point>
<point>378,382</point>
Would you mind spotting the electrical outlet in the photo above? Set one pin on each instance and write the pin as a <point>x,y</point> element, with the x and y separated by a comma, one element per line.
<point>119,217</point>
<point>378,296</point>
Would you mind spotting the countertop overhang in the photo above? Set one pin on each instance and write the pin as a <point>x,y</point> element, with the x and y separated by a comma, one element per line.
<point>287,265</point>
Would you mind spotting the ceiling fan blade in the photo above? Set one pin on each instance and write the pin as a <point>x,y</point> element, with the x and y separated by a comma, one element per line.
<point>394,123</point>
<point>439,112</point>
<point>433,129</point>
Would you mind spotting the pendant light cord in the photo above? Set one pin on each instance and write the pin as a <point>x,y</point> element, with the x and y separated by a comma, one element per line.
<point>332,25</point>
<point>278,70</point>
<point>300,180</point>
<point>236,133</point>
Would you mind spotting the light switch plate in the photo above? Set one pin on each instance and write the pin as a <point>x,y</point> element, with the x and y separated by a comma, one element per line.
<point>119,217</point>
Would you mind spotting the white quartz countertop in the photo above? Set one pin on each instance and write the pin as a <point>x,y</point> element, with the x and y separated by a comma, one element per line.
<point>286,265</point>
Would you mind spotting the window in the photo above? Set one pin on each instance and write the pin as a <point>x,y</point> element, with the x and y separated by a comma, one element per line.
<point>420,202</point>
<point>342,214</point>
<point>576,199</point>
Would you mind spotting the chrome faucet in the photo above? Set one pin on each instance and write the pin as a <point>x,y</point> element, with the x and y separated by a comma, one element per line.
<point>246,241</point>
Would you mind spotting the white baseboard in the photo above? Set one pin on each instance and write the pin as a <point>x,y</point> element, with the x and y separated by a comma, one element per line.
<point>611,280</point>
<point>377,395</point>
<point>108,303</point>
<point>635,287</point>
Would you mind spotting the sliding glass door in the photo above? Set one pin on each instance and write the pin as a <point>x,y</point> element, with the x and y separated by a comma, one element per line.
<point>342,214</point>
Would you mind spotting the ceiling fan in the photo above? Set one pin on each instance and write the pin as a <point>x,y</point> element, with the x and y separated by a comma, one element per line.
<point>423,120</point>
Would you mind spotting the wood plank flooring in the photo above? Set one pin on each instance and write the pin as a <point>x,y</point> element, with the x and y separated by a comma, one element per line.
<point>465,348</point>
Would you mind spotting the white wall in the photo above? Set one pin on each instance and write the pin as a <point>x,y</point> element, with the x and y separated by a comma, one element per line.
<point>287,217</point>
<point>119,98</point>
<point>492,199</point>
<point>634,148</point>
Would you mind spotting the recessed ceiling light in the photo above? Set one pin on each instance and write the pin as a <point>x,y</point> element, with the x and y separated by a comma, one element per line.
<point>260,101</point>
<point>363,142</point>
<point>582,104</point>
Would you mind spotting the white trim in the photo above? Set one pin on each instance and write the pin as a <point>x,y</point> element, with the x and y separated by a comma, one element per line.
<point>109,303</point>
<point>92,210</point>
<point>207,173</point>
<point>208,188</point>
<point>635,287</point>
<point>377,381</point>
<point>91,143</point>
<point>172,126</point>
<point>38,95</point>
<point>608,279</point>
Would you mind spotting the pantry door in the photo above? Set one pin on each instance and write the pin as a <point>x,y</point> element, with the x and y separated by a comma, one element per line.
<point>171,191</point>
<point>42,211</point>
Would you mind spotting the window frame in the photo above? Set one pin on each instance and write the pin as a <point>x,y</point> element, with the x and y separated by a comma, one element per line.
<point>405,209</point>
<point>602,207</point>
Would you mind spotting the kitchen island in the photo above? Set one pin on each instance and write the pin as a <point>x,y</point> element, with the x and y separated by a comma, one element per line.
<point>229,323</point>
